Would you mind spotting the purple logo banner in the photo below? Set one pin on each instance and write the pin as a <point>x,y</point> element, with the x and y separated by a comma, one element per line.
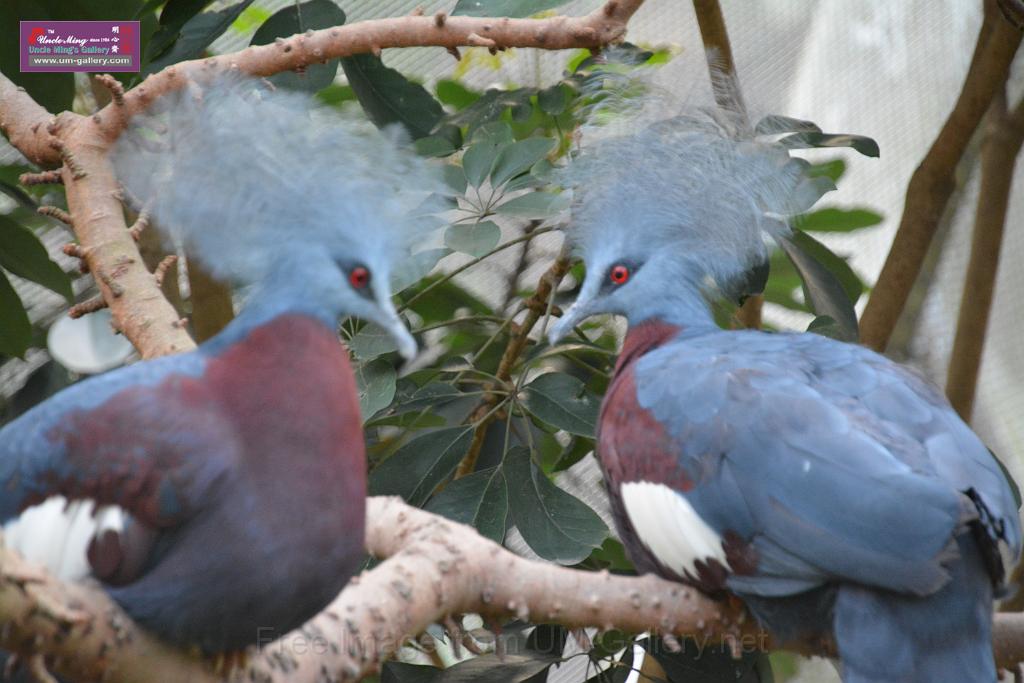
<point>80,46</point>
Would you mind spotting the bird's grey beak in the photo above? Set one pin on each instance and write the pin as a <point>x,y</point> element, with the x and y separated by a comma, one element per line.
<point>387,317</point>
<point>576,314</point>
<point>406,342</point>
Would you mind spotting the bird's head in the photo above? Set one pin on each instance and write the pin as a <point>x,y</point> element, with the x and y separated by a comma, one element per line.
<point>669,215</point>
<point>312,208</point>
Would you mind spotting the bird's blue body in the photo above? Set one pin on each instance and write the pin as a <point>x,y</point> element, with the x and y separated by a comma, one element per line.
<point>849,498</point>
<point>242,465</point>
<point>834,491</point>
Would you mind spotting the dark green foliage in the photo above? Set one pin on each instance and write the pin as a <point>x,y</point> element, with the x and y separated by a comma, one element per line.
<point>563,402</point>
<point>555,525</point>
<point>480,500</point>
<point>389,97</point>
<point>171,45</point>
<point>21,253</point>
<point>419,466</point>
<point>299,18</point>
<point>15,328</point>
<point>823,290</point>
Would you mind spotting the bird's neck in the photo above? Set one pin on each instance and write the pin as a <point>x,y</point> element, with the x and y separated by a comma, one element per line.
<point>266,306</point>
<point>644,337</point>
<point>682,305</point>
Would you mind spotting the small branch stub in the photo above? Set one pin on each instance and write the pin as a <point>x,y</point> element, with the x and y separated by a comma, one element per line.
<point>56,213</point>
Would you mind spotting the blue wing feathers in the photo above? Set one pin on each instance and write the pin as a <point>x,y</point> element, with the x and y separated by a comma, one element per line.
<point>106,439</point>
<point>836,462</point>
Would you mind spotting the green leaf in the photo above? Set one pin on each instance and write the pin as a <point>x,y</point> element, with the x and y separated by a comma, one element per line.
<point>837,220</point>
<point>389,97</point>
<point>10,175</point>
<point>435,146</point>
<point>177,13</point>
<point>371,341</point>
<point>534,205</point>
<point>174,16</point>
<point>15,328</point>
<point>860,143</point>
<point>488,142</point>
<point>375,382</point>
<point>837,265</point>
<point>430,396</point>
<point>147,7</point>
<point>822,289</point>
<point>612,556</point>
<point>479,500</point>
<point>22,254</point>
<point>833,169</point>
<point>475,239</point>
<point>504,8</point>
<point>197,34</point>
<point>336,95</point>
<point>564,402</point>
<point>519,157</point>
<point>556,525</point>
<point>1014,489</point>
<point>455,178</point>
<point>416,267</point>
<point>455,94</point>
<point>490,106</point>
<point>554,100</point>
<point>421,464</point>
<point>299,18</point>
<point>774,124</point>
<point>826,327</point>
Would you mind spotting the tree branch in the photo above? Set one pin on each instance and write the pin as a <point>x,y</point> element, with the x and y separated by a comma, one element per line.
<point>24,123</point>
<point>433,568</point>
<point>212,307</point>
<point>721,64</point>
<point>1004,133</point>
<point>932,183</point>
<point>604,26</point>
<point>536,307</point>
<point>140,310</point>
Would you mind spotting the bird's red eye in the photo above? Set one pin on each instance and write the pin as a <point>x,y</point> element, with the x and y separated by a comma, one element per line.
<point>619,274</point>
<point>359,277</point>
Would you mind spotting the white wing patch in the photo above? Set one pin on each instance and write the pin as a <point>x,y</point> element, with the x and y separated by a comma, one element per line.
<point>669,527</point>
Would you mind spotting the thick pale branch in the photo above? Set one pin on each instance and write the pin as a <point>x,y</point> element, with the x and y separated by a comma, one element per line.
<point>82,633</point>
<point>602,27</point>
<point>932,183</point>
<point>24,123</point>
<point>434,568</point>
<point>1004,133</point>
<point>141,312</point>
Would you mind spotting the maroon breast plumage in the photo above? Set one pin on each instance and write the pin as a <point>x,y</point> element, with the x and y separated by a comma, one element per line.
<point>632,445</point>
